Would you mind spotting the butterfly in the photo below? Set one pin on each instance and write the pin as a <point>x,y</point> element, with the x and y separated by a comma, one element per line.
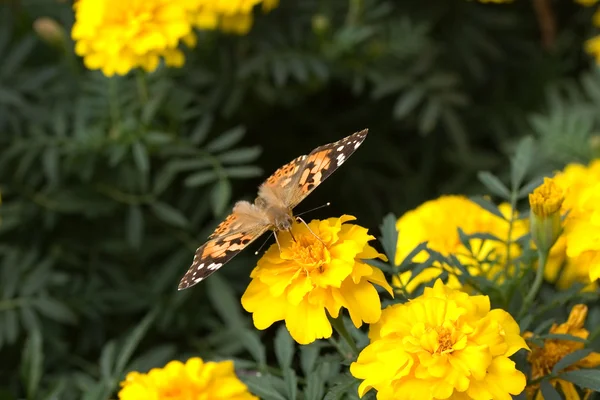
<point>273,207</point>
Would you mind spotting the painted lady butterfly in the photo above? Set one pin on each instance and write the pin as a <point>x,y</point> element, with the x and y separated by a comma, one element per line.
<point>272,209</point>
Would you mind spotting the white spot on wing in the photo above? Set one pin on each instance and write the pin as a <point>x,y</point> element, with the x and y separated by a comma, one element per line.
<point>214,266</point>
<point>340,148</point>
<point>356,144</point>
<point>340,159</point>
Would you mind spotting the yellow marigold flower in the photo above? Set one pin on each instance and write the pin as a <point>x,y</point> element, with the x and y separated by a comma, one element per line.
<point>543,359</point>
<point>195,379</point>
<point>316,271</point>
<point>592,47</point>
<point>437,222</point>
<point>576,255</point>
<point>444,344</point>
<point>234,16</point>
<point>586,3</point>
<point>545,223</point>
<point>119,35</point>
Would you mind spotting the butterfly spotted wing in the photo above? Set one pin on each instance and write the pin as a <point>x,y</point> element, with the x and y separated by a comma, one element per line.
<point>319,165</point>
<point>298,179</point>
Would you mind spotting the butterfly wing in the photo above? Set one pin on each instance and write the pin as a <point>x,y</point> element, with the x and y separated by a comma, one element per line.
<point>228,239</point>
<point>313,169</point>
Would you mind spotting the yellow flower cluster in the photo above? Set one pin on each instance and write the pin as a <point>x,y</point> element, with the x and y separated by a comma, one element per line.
<point>320,268</point>
<point>437,221</point>
<point>576,255</point>
<point>195,379</point>
<point>444,344</point>
<point>543,359</point>
<point>592,46</point>
<point>117,36</point>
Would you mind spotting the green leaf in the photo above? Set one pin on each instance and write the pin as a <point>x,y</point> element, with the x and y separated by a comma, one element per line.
<point>226,139</point>
<point>487,205</point>
<point>389,236</point>
<point>584,378</point>
<point>200,131</point>
<point>50,161</point>
<point>135,227</point>
<point>408,102</point>
<point>548,391</point>
<point>55,310</point>
<point>10,325</point>
<point>224,301</point>
<point>521,162</point>
<point>341,385</point>
<point>284,347</point>
<point>140,157</point>
<point>107,360</point>
<point>314,386</point>
<point>131,342</point>
<point>155,357</point>
<point>252,343</point>
<point>308,357</point>
<point>169,214</point>
<point>263,388</point>
<point>220,196</point>
<point>200,178</point>
<point>570,359</point>
<point>32,363</point>
<point>291,383</point>
<point>494,184</point>
<point>246,171</point>
<point>240,156</point>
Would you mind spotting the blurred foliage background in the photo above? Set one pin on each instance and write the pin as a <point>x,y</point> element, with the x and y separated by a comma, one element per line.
<point>109,185</point>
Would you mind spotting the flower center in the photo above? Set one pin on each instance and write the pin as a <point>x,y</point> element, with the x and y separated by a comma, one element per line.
<point>445,341</point>
<point>309,252</point>
<point>544,359</point>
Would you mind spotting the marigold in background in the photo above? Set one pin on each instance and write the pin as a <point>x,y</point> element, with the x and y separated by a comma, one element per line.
<point>543,359</point>
<point>576,255</point>
<point>234,16</point>
<point>437,222</point>
<point>195,379</point>
<point>320,269</point>
<point>444,344</point>
<point>117,36</point>
<point>545,223</point>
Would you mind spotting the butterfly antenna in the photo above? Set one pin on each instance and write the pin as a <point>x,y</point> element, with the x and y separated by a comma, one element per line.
<point>308,227</point>
<point>263,245</point>
<point>314,209</point>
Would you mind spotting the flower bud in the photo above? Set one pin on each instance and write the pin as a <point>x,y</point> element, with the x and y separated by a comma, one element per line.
<point>545,221</point>
<point>49,30</point>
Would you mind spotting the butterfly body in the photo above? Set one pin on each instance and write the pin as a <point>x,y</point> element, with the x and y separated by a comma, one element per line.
<point>273,207</point>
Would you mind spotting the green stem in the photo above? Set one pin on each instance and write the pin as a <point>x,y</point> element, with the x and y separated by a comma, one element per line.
<point>142,85</point>
<point>340,328</point>
<point>537,283</point>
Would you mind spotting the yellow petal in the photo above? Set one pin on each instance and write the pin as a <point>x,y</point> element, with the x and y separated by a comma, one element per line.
<point>362,301</point>
<point>307,322</point>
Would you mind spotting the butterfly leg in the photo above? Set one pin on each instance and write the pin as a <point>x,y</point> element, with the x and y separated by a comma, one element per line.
<point>308,227</point>
<point>277,240</point>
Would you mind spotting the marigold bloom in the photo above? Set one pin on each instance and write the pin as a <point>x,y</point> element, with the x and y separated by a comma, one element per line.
<point>576,255</point>
<point>437,222</point>
<point>444,344</point>
<point>543,359</point>
<point>119,35</point>
<point>586,3</point>
<point>312,274</point>
<point>195,379</point>
<point>233,16</point>
<point>545,203</point>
